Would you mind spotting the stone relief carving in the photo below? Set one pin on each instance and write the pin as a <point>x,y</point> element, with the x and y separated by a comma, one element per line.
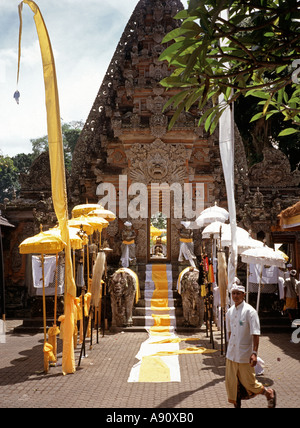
<point>275,169</point>
<point>158,162</point>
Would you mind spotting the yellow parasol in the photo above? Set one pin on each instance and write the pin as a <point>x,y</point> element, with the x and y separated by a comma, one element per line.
<point>84,209</point>
<point>285,256</point>
<point>154,231</point>
<point>44,243</point>
<point>76,241</point>
<point>98,223</point>
<point>88,229</point>
<point>81,222</point>
<point>101,212</point>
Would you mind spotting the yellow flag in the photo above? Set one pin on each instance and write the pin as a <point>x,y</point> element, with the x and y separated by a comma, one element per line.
<point>58,179</point>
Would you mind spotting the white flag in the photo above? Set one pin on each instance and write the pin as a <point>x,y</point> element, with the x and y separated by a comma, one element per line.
<point>226,143</point>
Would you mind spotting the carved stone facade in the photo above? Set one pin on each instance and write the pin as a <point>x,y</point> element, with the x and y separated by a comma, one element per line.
<point>126,132</point>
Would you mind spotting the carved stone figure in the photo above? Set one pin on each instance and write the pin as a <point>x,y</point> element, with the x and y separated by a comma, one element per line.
<point>128,245</point>
<point>186,244</point>
<point>122,288</point>
<point>192,302</point>
<point>258,199</point>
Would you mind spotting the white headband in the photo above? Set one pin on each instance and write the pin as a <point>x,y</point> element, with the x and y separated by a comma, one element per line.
<point>238,287</point>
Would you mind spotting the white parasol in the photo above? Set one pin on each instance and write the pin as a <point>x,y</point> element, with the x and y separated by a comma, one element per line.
<point>212,214</point>
<point>263,256</point>
<point>213,230</point>
<point>244,240</point>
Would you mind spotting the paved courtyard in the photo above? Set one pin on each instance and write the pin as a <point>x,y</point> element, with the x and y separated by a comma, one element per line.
<point>101,379</point>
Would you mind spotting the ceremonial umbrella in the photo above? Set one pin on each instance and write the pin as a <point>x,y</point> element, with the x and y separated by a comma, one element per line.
<point>98,223</point>
<point>154,231</point>
<point>244,240</point>
<point>44,243</point>
<point>212,214</point>
<point>263,256</point>
<point>76,241</point>
<point>81,223</point>
<point>84,209</point>
<point>214,229</point>
<point>101,212</point>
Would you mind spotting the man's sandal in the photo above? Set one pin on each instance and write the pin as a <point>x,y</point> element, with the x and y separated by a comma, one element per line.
<point>272,401</point>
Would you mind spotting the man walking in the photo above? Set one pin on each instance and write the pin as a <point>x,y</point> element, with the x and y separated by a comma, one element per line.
<point>243,329</point>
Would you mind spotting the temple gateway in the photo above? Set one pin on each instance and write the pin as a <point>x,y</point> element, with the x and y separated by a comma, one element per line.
<point>148,175</point>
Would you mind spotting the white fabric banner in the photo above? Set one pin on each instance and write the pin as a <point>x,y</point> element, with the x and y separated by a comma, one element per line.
<point>49,270</point>
<point>226,143</point>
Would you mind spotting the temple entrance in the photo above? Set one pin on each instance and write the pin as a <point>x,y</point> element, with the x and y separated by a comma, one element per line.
<point>158,238</point>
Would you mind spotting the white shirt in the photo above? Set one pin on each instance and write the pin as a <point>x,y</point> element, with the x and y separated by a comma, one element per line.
<point>242,322</point>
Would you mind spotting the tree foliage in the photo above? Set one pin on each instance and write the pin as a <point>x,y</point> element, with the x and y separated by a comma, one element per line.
<point>258,59</point>
<point>8,177</point>
<point>70,133</point>
<point>12,167</point>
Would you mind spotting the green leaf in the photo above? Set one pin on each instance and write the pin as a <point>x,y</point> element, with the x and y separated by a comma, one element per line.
<point>258,94</point>
<point>287,131</point>
<point>257,116</point>
<point>176,99</point>
<point>177,32</point>
<point>176,115</point>
<point>193,98</point>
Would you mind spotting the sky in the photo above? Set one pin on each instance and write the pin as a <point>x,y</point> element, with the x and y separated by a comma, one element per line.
<point>83,35</point>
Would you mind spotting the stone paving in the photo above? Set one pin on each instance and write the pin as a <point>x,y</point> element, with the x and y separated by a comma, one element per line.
<point>101,379</point>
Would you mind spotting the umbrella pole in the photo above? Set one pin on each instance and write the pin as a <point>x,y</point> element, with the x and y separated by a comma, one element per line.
<point>55,306</point>
<point>211,319</point>
<point>74,264</point>
<point>44,313</point>
<point>259,289</point>
<point>222,332</point>
<point>247,284</point>
<point>88,267</point>
<point>82,351</point>
<point>225,329</point>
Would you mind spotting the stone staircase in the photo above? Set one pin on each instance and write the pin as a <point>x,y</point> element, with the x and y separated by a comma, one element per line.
<point>274,322</point>
<point>142,313</point>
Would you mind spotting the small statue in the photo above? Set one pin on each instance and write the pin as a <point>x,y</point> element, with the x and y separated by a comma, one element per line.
<point>186,251</point>
<point>128,246</point>
<point>258,199</point>
<point>159,248</point>
<point>192,302</point>
<point>122,287</point>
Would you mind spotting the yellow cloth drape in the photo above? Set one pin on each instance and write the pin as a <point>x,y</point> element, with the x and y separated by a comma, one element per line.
<point>175,340</point>
<point>52,333</point>
<point>186,240</point>
<point>154,369</point>
<point>179,278</point>
<point>190,350</point>
<point>58,179</point>
<point>48,355</point>
<point>160,297</point>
